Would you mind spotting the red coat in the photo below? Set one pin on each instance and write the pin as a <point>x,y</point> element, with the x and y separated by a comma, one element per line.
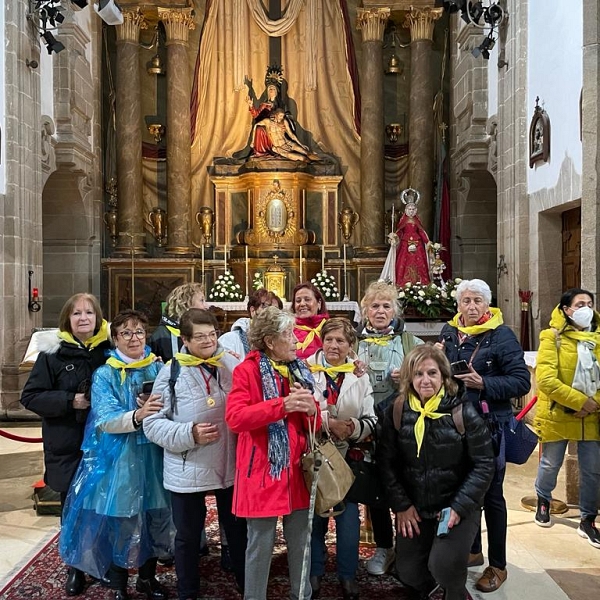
<point>301,334</point>
<point>256,493</point>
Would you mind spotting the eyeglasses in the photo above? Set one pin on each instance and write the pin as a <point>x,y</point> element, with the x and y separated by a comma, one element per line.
<point>205,337</point>
<point>140,334</point>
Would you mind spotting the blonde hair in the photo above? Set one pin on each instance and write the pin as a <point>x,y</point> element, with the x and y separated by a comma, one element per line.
<point>180,299</point>
<point>383,289</point>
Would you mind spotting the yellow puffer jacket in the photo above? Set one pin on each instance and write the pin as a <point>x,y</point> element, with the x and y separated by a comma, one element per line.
<point>557,400</point>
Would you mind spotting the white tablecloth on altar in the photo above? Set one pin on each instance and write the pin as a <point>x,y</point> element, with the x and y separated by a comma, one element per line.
<point>242,306</point>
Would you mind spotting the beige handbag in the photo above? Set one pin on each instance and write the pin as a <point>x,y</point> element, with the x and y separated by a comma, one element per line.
<point>334,476</point>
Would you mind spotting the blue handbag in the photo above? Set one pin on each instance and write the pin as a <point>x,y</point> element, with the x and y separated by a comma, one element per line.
<point>520,440</point>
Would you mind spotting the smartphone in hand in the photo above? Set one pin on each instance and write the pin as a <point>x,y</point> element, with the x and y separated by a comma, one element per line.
<point>442,528</point>
<point>460,367</point>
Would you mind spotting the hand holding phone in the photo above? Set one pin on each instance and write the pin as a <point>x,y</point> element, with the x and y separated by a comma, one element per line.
<point>145,393</point>
<point>444,518</point>
<point>460,367</point>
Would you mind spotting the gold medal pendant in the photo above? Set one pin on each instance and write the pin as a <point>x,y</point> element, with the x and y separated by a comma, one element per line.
<point>210,401</point>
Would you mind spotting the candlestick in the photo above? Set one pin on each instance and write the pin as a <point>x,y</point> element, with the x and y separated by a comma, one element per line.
<point>300,269</point>
<point>393,214</point>
<point>225,258</point>
<point>346,296</point>
<point>202,246</point>
<point>246,249</point>
<point>323,258</point>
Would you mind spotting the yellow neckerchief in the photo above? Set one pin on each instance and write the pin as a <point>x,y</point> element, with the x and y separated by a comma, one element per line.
<point>176,332</point>
<point>310,336</point>
<point>189,360</point>
<point>116,363</point>
<point>282,369</point>
<point>490,324</point>
<point>382,340</point>
<point>90,343</point>
<point>332,371</point>
<point>427,411</point>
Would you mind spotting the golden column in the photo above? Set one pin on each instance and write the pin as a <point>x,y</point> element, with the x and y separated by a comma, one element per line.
<point>178,23</point>
<point>372,176</point>
<point>128,116</point>
<point>421,22</point>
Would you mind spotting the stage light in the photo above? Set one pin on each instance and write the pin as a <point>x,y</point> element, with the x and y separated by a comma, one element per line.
<point>484,48</point>
<point>80,3</point>
<point>52,44</point>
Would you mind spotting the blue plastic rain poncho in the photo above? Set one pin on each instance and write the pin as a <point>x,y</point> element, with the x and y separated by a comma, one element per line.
<point>117,510</point>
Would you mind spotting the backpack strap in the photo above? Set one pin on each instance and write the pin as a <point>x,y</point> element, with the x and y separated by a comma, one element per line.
<point>174,374</point>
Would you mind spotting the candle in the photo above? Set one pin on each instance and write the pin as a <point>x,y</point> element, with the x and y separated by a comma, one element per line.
<point>346,296</point>
<point>393,213</point>
<point>300,263</point>
<point>202,246</point>
<point>323,257</point>
<point>225,258</point>
<point>246,248</point>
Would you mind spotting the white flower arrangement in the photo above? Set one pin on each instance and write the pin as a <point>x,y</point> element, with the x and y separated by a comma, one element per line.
<point>225,289</point>
<point>326,285</point>
<point>429,300</point>
<point>257,281</point>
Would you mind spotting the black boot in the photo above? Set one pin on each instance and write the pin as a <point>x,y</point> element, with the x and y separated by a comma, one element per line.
<point>151,588</point>
<point>75,582</point>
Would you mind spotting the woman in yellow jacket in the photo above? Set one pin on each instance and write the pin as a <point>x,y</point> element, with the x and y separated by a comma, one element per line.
<point>568,380</point>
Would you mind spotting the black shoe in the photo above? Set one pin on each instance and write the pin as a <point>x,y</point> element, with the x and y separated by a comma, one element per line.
<point>151,588</point>
<point>349,589</point>
<point>75,582</point>
<point>120,595</point>
<point>166,561</point>
<point>587,530</point>
<point>315,584</point>
<point>226,559</point>
<point>542,514</point>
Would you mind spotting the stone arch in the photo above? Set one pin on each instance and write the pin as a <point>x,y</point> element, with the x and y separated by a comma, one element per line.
<point>67,242</point>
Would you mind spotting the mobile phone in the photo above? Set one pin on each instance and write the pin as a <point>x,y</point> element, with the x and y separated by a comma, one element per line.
<point>460,367</point>
<point>147,387</point>
<point>442,528</point>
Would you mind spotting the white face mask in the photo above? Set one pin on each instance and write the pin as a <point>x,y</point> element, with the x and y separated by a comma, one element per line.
<point>582,317</point>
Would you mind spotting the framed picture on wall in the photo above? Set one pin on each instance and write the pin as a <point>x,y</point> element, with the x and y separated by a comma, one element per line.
<point>539,135</point>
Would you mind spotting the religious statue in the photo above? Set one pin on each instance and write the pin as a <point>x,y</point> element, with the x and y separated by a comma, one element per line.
<point>412,262</point>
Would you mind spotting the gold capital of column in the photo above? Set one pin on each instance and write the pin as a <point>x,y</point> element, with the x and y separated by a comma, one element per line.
<point>421,22</point>
<point>372,23</point>
<point>133,22</point>
<point>178,23</point>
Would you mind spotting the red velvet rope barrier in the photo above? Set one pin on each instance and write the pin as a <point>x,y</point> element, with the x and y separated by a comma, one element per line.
<point>20,438</point>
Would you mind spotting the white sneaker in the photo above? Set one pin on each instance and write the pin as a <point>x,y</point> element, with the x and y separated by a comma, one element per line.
<point>382,560</point>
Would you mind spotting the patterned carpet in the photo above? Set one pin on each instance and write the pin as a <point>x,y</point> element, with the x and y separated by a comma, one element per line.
<point>44,576</point>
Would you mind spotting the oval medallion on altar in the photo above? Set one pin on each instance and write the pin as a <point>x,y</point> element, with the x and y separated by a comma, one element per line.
<point>276,215</point>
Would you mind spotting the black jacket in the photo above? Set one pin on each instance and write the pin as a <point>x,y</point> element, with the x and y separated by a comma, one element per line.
<point>452,470</point>
<point>499,361</point>
<point>49,392</point>
<point>161,340</point>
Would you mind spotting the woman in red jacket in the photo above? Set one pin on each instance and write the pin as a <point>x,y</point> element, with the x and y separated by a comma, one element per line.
<point>311,314</point>
<point>269,406</point>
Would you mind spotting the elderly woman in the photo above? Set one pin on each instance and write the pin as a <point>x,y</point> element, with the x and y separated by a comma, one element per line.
<point>269,406</point>
<point>117,513</point>
<point>311,314</point>
<point>199,448</point>
<point>496,373</point>
<point>346,403</point>
<point>166,341</point>
<point>58,391</point>
<point>436,461</point>
<point>382,345</point>
<point>568,380</point>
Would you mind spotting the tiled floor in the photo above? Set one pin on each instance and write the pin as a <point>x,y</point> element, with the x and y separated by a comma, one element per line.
<point>544,564</point>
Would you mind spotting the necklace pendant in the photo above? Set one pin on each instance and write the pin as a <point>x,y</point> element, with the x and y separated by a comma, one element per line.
<point>210,401</point>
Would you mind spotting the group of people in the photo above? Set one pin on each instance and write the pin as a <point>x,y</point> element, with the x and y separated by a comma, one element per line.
<point>137,431</point>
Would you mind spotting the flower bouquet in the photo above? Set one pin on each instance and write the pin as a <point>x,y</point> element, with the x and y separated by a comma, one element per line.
<point>429,300</point>
<point>225,289</point>
<point>257,281</point>
<point>326,285</point>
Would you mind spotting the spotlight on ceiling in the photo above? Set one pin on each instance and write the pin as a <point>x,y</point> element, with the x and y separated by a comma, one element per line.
<point>52,44</point>
<point>484,48</point>
<point>80,3</point>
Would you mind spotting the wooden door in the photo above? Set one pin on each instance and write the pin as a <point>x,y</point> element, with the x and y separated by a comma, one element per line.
<point>571,249</point>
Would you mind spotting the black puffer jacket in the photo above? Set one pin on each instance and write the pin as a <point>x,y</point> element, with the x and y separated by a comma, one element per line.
<point>49,392</point>
<point>499,361</point>
<point>452,470</point>
<point>161,341</point>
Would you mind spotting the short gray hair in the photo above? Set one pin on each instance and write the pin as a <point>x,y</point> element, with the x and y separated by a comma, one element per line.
<point>474,285</point>
<point>271,321</point>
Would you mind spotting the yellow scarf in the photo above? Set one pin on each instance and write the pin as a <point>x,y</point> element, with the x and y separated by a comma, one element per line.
<point>310,336</point>
<point>382,340</point>
<point>492,323</point>
<point>281,369</point>
<point>90,343</point>
<point>427,411</point>
<point>116,363</point>
<point>176,332</point>
<point>188,360</point>
<point>333,372</point>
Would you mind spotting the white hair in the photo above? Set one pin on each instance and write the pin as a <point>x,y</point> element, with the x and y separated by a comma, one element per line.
<point>474,285</point>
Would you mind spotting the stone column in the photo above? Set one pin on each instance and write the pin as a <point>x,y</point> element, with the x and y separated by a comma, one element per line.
<point>421,22</point>
<point>129,134</point>
<point>372,175</point>
<point>178,23</point>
